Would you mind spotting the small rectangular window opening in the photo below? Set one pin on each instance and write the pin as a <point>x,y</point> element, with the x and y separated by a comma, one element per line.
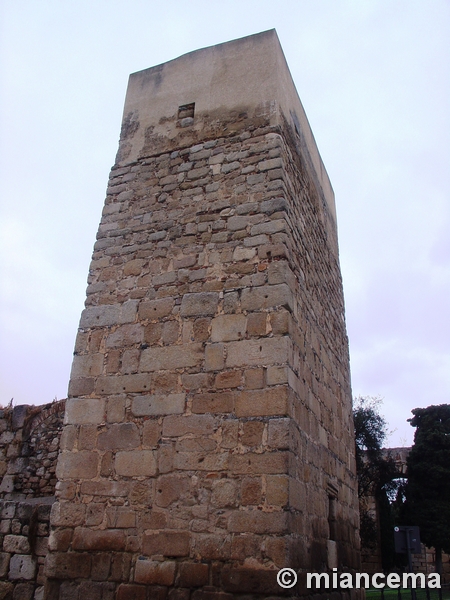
<point>332,516</point>
<point>186,111</point>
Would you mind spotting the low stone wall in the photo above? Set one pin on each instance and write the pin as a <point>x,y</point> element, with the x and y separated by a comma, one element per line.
<point>24,535</point>
<point>29,446</point>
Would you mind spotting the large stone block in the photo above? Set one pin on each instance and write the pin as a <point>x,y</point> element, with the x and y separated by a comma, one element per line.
<point>257,352</point>
<point>267,296</point>
<point>67,514</point>
<point>151,433</point>
<point>19,414</point>
<point>255,521</point>
<point>167,543</point>
<point>199,304</point>
<point>158,404</point>
<point>68,565</point>
<point>156,309</point>
<point>77,465</point>
<point>177,425</point>
<point>152,572</point>
<point>214,357</point>
<point>135,463</point>
<point>84,410</point>
<point>17,544</point>
<point>218,402</point>
<point>252,463</point>
<point>109,314</point>
<point>22,566</point>
<point>125,335</point>
<point>105,488</point>
<point>170,488</point>
<point>194,574</point>
<point>131,592</point>
<point>121,436</point>
<point>279,433</point>
<point>225,328</point>
<point>123,384</point>
<point>87,365</point>
<point>260,403</point>
<point>93,539</point>
<point>171,357</point>
<point>212,546</point>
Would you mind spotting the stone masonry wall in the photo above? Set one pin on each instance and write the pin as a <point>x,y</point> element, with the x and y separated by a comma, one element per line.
<point>29,444</point>
<point>208,425</point>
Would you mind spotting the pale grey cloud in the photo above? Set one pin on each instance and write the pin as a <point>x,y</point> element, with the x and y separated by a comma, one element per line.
<point>374,78</point>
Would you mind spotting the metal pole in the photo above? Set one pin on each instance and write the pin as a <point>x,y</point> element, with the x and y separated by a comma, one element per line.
<point>408,548</point>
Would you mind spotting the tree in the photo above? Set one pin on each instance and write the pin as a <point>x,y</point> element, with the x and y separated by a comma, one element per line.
<point>428,489</point>
<point>375,473</point>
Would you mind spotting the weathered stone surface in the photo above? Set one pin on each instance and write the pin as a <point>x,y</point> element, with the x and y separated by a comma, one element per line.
<point>228,327</point>
<point>89,539</point>
<point>168,543</point>
<point>156,309</point>
<point>267,296</point>
<point>125,384</point>
<point>274,462</point>
<point>126,335</point>
<point>77,465</point>
<point>131,592</point>
<point>89,365</point>
<point>124,436</point>
<point>22,566</point>
<point>17,544</point>
<point>151,433</point>
<point>67,514</point>
<point>152,572</point>
<point>199,304</point>
<point>224,493</point>
<point>181,425</point>
<point>171,357</point>
<point>211,364</point>
<point>84,410</point>
<point>258,522</point>
<point>214,357</point>
<point>106,315</point>
<point>105,488</point>
<point>158,405</point>
<point>194,574</point>
<point>170,488</point>
<point>212,547</point>
<point>218,402</point>
<point>135,463</point>
<point>256,403</point>
<point>252,352</point>
<point>70,565</point>
<point>18,416</point>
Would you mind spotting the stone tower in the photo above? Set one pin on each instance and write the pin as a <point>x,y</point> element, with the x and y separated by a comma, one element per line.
<point>208,436</point>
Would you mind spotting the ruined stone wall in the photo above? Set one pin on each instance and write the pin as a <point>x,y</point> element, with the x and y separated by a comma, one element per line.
<point>23,547</point>
<point>208,432</point>
<point>29,445</point>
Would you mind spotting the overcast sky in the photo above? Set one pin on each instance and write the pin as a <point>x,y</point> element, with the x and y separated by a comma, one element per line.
<point>374,79</point>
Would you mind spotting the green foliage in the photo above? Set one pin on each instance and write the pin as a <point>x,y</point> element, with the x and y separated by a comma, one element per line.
<point>375,473</point>
<point>428,488</point>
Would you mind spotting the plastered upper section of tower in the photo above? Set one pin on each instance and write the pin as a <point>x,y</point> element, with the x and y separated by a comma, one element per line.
<point>218,91</point>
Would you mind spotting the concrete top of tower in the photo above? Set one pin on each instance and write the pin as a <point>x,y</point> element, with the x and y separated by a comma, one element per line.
<point>217,91</point>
